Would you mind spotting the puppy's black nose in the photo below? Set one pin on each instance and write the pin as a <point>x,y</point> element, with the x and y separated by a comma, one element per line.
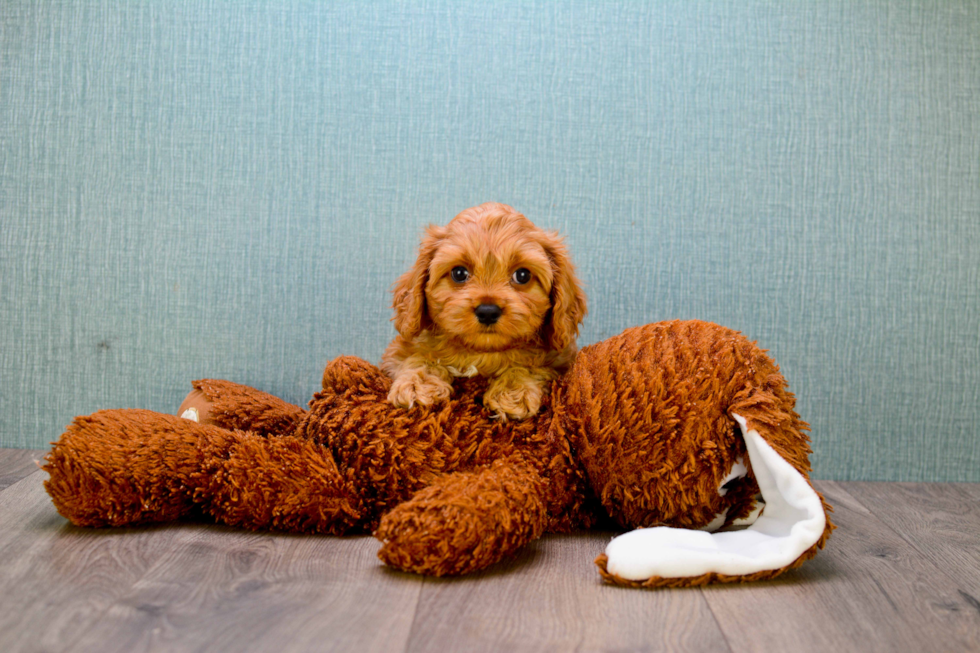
<point>488,313</point>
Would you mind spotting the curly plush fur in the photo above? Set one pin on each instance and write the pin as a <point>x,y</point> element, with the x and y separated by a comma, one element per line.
<point>640,430</point>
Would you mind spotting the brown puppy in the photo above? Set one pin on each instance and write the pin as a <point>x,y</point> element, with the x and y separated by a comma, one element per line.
<point>489,295</point>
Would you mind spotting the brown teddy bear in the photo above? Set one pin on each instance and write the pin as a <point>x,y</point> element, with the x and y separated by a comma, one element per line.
<point>676,429</point>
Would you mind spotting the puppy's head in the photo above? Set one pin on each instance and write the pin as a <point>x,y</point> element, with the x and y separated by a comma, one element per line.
<point>491,280</point>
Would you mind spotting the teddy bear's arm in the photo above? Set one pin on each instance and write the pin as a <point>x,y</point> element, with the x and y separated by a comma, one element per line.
<point>122,467</point>
<point>235,406</point>
<point>467,520</point>
<point>284,483</point>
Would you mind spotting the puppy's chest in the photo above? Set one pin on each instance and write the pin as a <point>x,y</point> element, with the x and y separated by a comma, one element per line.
<point>465,366</point>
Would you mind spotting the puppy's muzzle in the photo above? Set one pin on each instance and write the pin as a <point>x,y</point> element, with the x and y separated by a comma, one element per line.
<point>488,314</point>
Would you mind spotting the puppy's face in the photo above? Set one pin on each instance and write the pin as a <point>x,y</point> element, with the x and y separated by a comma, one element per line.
<point>491,280</point>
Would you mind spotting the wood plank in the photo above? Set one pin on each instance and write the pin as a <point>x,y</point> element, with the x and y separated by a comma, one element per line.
<point>970,489</point>
<point>869,590</point>
<point>56,579</point>
<point>15,464</point>
<point>897,575</point>
<point>941,520</point>
<point>227,590</point>
<point>551,598</point>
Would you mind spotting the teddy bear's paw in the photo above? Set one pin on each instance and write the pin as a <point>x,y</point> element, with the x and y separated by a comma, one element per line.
<point>466,521</point>
<point>418,387</point>
<point>513,400</point>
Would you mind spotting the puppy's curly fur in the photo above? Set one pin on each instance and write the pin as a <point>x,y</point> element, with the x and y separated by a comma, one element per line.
<point>490,294</point>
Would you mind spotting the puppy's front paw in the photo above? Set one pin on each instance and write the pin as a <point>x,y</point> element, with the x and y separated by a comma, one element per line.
<point>418,387</point>
<point>513,396</point>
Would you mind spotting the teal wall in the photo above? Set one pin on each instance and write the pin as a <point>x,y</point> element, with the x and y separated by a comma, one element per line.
<point>198,188</point>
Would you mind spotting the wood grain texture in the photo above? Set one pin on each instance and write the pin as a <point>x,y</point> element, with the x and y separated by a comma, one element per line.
<point>551,598</point>
<point>942,522</point>
<point>15,464</point>
<point>869,591</point>
<point>896,576</point>
<point>225,590</point>
<point>972,489</point>
<point>57,580</point>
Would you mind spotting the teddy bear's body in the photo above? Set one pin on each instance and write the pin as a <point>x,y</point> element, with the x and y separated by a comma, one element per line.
<point>641,430</point>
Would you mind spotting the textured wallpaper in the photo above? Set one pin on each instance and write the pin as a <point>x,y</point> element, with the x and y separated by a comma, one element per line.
<point>228,189</point>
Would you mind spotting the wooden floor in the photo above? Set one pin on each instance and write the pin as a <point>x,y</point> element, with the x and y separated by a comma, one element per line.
<point>901,573</point>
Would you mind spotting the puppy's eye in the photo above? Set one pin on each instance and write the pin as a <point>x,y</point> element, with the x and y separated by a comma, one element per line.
<point>521,276</point>
<point>459,274</point>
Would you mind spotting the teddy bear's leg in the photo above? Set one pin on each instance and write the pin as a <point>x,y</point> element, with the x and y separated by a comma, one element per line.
<point>235,406</point>
<point>792,527</point>
<point>466,521</point>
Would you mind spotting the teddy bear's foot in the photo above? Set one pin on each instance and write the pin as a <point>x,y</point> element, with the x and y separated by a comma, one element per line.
<point>196,407</point>
<point>466,521</point>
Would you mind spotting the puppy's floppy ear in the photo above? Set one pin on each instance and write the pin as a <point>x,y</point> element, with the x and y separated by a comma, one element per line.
<point>568,303</point>
<point>411,315</point>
